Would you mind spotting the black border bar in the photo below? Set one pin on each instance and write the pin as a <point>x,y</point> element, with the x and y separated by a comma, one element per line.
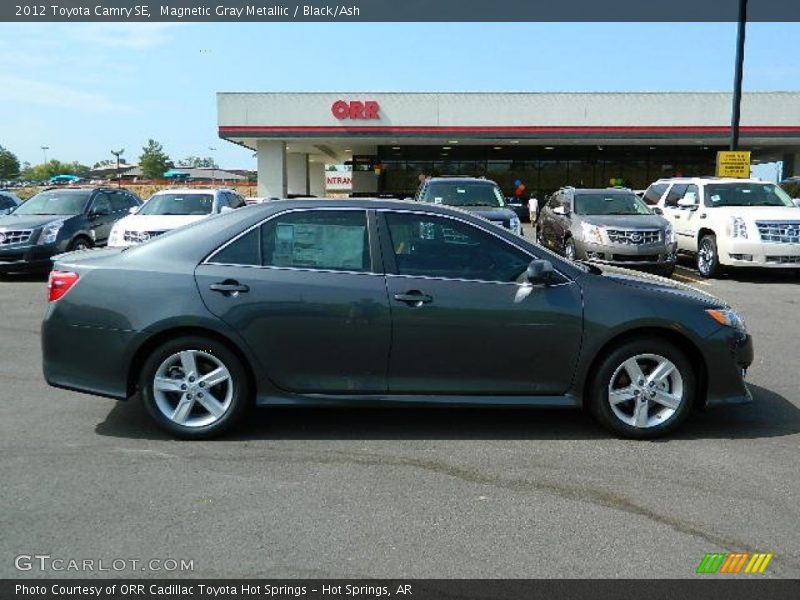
<point>514,11</point>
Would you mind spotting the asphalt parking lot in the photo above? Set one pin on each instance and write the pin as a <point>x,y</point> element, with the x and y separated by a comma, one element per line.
<point>403,492</point>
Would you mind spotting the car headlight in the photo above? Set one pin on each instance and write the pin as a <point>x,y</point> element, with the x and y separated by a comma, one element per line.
<point>727,317</point>
<point>669,235</point>
<point>515,224</point>
<point>50,232</point>
<point>737,228</point>
<point>592,233</point>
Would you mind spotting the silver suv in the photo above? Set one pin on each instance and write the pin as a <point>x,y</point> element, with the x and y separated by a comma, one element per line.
<point>611,226</point>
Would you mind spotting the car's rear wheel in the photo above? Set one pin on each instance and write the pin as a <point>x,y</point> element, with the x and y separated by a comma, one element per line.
<point>708,257</point>
<point>643,389</point>
<point>194,387</point>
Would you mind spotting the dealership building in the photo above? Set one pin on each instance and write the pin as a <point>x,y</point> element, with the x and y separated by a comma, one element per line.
<point>545,140</point>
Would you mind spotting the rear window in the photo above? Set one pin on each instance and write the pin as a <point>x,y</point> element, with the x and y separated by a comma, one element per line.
<point>179,204</point>
<point>464,193</point>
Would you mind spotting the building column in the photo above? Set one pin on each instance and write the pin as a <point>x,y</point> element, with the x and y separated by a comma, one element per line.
<point>316,179</point>
<point>272,169</point>
<point>297,173</point>
<point>365,181</point>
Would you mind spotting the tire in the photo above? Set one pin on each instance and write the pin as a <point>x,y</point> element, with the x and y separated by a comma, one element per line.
<point>708,257</point>
<point>666,404</point>
<point>79,243</point>
<point>570,252</point>
<point>667,271</point>
<point>205,410</point>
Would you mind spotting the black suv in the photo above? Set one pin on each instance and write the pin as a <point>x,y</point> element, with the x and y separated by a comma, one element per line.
<point>482,197</point>
<point>60,220</point>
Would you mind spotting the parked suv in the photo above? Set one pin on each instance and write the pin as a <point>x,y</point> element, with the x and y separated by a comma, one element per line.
<point>731,222</point>
<point>172,208</point>
<point>476,195</point>
<point>60,220</point>
<point>610,226</point>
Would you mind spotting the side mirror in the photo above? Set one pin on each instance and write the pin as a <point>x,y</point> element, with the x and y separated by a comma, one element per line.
<point>688,201</point>
<point>225,209</point>
<point>539,272</point>
<point>657,210</point>
<point>133,210</point>
<point>560,210</point>
<point>99,212</point>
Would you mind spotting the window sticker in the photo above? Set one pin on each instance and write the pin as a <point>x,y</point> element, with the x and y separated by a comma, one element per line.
<point>715,198</point>
<point>319,246</point>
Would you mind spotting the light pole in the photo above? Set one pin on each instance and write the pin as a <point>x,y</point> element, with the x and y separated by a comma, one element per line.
<point>118,153</point>
<point>44,153</point>
<point>213,166</point>
<point>737,79</point>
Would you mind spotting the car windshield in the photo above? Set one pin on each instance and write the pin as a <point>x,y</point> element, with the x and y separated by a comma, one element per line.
<point>746,194</point>
<point>610,204</point>
<point>55,202</point>
<point>178,204</point>
<point>466,193</point>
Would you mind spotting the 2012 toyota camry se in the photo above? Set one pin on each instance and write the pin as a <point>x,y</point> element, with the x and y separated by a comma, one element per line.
<point>377,302</point>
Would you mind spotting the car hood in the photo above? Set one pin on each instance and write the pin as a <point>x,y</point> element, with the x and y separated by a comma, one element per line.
<point>488,212</point>
<point>758,213</point>
<point>661,284</point>
<point>14,221</point>
<point>157,222</point>
<point>625,221</point>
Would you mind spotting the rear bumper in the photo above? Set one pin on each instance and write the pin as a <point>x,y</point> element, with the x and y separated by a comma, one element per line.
<point>743,253</point>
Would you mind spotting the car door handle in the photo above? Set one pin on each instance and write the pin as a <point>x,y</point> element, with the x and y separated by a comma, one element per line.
<point>229,287</point>
<point>414,298</point>
<point>677,217</point>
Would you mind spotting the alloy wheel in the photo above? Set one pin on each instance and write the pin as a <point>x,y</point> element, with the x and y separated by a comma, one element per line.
<point>193,388</point>
<point>705,257</point>
<point>645,391</point>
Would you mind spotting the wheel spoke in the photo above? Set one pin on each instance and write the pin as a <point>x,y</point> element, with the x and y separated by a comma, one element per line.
<point>661,372</point>
<point>621,395</point>
<point>211,404</point>
<point>215,377</point>
<point>640,414</point>
<point>167,384</point>
<point>666,399</point>
<point>182,410</point>
<point>188,363</point>
<point>633,370</point>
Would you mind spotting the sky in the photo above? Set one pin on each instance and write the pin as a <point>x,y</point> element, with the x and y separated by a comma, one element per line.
<point>85,89</point>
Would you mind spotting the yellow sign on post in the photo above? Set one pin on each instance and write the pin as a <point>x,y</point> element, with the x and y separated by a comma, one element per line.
<point>733,164</point>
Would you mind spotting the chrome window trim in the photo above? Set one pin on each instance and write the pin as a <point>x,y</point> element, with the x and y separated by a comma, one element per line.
<point>460,220</point>
<point>208,260</point>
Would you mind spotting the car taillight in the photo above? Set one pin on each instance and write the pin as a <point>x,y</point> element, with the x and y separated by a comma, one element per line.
<point>59,284</point>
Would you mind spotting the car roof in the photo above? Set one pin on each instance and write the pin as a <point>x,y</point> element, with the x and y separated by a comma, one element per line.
<point>184,190</point>
<point>600,190</point>
<point>460,179</point>
<point>702,180</point>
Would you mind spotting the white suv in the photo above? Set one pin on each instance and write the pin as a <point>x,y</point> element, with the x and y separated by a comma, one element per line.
<point>170,209</point>
<point>730,222</point>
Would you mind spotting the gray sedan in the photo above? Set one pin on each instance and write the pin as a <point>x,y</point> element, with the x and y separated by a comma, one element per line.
<point>378,302</point>
<point>609,226</point>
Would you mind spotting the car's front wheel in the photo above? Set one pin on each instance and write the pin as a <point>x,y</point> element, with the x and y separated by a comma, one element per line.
<point>194,387</point>
<point>643,389</point>
<point>708,257</point>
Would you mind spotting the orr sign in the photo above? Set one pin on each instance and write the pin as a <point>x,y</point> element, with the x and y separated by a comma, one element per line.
<point>355,109</point>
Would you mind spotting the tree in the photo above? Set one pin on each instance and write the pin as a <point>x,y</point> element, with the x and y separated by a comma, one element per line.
<point>196,162</point>
<point>9,164</point>
<point>53,167</point>
<point>154,161</point>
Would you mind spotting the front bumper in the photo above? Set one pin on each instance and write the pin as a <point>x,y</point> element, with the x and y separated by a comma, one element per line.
<point>729,353</point>
<point>751,253</point>
<point>19,259</point>
<point>629,255</point>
